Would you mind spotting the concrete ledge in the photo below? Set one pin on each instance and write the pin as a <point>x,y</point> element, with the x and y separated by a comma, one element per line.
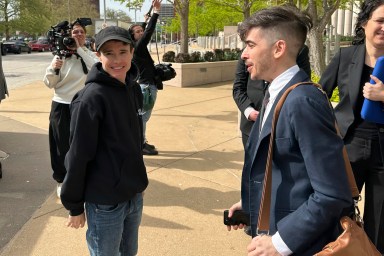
<point>191,74</point>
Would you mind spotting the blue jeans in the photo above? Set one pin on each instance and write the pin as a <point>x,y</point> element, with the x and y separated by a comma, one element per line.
<point>113,229</point>
<point>146,115</point>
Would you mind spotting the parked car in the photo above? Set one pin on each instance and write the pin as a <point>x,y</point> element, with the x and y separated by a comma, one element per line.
<point>17,47</point>
<point>3,49</point>
<point>40,46</point>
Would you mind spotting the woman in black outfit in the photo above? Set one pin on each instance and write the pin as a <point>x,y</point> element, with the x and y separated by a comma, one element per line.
<point>350,71</point>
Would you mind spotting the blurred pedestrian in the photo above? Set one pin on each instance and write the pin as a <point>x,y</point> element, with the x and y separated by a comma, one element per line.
<point>3,93</point>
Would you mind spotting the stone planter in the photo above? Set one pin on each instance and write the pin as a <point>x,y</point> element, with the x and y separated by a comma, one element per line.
<point>191,74</point>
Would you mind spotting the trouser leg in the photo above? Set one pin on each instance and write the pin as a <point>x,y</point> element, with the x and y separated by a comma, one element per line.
<point>147,115</point>
<point>59,122</point>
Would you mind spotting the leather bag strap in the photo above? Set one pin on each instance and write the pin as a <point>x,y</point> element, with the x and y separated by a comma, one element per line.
<point>265,203</point>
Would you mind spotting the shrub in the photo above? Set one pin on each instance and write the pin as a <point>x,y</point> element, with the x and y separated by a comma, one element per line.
<point>169,56</point>
<point>236,53</point>
<point>216,55</point>
<point>183,58</point>
<point>195,57</point>
<point>209,56</point>
<point>219,54</point>
<point>233,54</point>
<point>335,94</point>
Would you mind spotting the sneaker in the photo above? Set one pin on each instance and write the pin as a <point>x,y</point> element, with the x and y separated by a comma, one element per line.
<point>58,189</point>
<point>149,145</point>
<point>147,150</point>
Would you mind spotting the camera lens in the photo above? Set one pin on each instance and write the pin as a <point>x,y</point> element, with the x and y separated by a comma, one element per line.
<point>69,42</point>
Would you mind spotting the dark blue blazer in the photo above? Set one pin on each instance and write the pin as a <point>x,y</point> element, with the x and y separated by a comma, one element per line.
<point>309,182</point>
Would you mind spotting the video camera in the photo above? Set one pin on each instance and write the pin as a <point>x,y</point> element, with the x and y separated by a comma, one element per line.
<point>59,36</point>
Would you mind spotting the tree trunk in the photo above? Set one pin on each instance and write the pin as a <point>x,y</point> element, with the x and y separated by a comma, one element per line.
<point>316,48</point>
<point>184,26</point>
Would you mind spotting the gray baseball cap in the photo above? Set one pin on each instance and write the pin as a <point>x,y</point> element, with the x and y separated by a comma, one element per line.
<point>112,33</point>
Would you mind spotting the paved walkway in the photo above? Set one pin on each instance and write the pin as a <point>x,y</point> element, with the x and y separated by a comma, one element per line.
<point>193,179</point>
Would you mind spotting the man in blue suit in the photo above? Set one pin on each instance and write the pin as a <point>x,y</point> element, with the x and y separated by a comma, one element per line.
<point>309,182</point>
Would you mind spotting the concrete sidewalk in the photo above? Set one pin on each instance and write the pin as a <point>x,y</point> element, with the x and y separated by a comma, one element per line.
<point>193,179</point>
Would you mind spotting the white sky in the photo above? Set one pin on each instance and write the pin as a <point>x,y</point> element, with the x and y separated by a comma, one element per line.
<point>117,6</point>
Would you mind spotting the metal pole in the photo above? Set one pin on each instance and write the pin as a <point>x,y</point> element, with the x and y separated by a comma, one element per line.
<point>69,13</point>
<point>105,13</point>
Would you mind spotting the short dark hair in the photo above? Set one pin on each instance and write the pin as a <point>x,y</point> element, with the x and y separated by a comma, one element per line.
<point>366,10</point>
<point>76,23</point>
<point>284,21</point>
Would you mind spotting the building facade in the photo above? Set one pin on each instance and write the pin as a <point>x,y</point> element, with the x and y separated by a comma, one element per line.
<point>96,3</point>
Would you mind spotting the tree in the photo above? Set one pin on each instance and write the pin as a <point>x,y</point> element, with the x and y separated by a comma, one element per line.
<point>37,16</point>
<point>117,15</point>
<point>182,9</point>
<point>321,12</point>
<point>245,7</point>
<point>71,10</point>
<point>9,9</point>
<point>34,17</point>
<point>208,18</point>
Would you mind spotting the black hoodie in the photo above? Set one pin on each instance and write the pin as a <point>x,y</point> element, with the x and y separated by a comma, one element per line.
<point>104,163</point>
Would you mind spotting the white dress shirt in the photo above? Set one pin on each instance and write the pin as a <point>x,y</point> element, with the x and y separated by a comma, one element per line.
<point>276,86</point>
<point>274,89</point>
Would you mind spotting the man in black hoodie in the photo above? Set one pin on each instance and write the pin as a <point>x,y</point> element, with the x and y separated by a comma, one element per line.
<point>105,167</point>
<point>146,66</point>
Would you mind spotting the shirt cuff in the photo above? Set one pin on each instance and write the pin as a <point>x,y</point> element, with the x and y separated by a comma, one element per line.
<point>248,111</point>
<point>280,246</point>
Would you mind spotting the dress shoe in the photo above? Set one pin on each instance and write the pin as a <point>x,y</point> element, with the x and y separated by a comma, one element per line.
<point>147,150</point>
<point>149,145</point>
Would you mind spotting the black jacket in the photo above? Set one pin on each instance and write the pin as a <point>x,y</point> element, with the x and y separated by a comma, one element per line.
<point>345,72</point>
<point>104,163</point>
<point>247,92</point>
<point>142,57</point>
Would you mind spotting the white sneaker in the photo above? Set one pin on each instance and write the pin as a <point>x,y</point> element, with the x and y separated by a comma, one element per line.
<point>58,189</point>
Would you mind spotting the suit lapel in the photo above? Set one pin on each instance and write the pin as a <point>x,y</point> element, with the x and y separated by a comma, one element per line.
<point>257,137</point>
<point>355,71</point>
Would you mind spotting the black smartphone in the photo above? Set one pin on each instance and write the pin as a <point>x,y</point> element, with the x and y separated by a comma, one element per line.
<point>238,217</point>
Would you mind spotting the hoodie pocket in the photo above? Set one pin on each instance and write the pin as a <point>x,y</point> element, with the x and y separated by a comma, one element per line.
<point>133,177</point>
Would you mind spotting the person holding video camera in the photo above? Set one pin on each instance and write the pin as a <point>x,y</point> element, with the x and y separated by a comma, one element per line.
<point>142,36</point>
<point>66,76</point>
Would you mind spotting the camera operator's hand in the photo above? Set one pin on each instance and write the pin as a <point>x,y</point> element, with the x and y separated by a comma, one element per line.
<point>77,44</point>
<point>235,207</point>
<point>57,63</point>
